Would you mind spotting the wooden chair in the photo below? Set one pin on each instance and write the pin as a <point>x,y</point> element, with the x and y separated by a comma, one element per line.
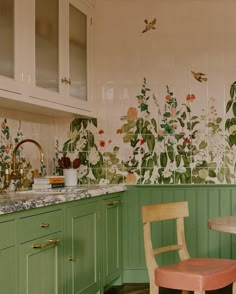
<point>190,274</point>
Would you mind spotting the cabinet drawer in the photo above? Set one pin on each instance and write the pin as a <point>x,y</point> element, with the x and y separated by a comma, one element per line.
<point>36,226</point>
<point>7,234</point>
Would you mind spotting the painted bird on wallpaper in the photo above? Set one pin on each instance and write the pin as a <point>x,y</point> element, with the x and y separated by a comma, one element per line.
<point>199,76</point>
<point>149,25</point>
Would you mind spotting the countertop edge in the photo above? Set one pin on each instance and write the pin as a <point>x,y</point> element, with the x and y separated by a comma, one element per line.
<point>14,202</point>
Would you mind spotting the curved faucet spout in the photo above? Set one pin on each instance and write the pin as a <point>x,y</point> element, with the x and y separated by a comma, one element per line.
<point>18,145</point>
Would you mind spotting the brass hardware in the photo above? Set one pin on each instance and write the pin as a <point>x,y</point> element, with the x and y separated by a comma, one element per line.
<point>112,203</point>
<point>18,175</point>
<point>50,242</point>
<point>67,82</point>
<point>72,258</point>
<point>44,225</point>
<point>64,80</point>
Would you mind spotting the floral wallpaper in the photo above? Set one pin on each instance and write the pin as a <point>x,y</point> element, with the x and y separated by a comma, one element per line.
<point>159,140</point>
<point>168,144</point>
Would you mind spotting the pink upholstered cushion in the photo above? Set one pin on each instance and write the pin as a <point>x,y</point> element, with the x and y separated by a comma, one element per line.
<point>197,274</point>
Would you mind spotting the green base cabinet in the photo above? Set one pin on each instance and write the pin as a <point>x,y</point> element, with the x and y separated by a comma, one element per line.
<point>8,261</point>
<point>83,254</point>
<point>41,265</point>
<point>112,253</point>
<point>67,248</point>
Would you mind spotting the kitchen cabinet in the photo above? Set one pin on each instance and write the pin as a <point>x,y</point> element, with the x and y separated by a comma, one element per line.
<point>112,253</point>
<point>41,253</point>
<point>8,269</point>
<point>83,253</point>
<point>41,265</point>
<point>66,248</point>
<point>48,54</point>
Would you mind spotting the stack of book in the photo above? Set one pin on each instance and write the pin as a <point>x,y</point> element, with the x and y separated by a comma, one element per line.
<point>48,182</point>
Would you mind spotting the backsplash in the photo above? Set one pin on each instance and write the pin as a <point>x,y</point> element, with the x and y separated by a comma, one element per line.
<point>157,145</point>
<point>164,99</point>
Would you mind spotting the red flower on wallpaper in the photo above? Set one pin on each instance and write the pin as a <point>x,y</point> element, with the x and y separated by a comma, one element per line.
<point>101,132</point>
<point>119,131</point>
<point>186,140</point>
<point>102,143</point>
<point>142,142</point>
<point>190,97</point>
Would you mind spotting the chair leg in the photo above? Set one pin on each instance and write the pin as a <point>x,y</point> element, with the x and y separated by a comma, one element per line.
<point>234,288</point>
<point>154,289</point>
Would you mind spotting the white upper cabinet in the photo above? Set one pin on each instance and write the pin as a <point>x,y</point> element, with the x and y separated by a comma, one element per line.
<point>48,52</point>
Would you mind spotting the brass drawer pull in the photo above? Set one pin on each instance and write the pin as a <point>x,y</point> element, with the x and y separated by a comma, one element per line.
<point>50,242</point>
<point>115,202</point>
<point>72,258</point>
<point>44,225</point>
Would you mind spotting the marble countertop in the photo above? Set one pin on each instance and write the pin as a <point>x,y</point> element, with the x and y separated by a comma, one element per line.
<point>23,200</point>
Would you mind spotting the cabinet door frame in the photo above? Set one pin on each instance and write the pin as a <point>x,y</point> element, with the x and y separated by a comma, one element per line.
<point>75,214</point>
<point>112,244</point>
<point>85,8</point>
<point>26,250</point>
<point>14,86</point>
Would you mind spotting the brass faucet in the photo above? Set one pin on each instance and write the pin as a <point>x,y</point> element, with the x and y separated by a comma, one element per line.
<point>18,175</point>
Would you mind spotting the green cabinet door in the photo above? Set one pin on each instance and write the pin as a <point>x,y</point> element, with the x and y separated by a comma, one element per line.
<point>83,249</point>
<point>112,240</point>
<point>41,265</point>
<point>8,271</point>
<point>8,264</point>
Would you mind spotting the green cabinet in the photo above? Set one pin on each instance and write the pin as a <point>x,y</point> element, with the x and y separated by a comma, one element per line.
<point>41,265</point>
<point>83,253</point>
<point>8,258</point>
<point>67,248</point>
<point>112,259</point>
<point>40,252</point>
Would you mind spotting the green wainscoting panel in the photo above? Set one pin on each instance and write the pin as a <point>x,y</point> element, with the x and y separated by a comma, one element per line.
<point>205,201</point>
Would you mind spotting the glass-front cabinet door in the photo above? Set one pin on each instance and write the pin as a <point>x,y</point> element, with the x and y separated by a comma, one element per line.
<point>78,53</point>
<point>47,44</point>
<point>60,36</point>
<point>79,48</point>
<point>43,50</point>
<point>10,75</point>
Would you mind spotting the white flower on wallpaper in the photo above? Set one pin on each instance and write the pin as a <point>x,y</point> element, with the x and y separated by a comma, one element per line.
<point>93,156</point>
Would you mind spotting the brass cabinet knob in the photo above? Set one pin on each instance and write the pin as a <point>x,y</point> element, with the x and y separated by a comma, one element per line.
<point>67,82</point>
<point>44,225</point>
<point>72,258</point>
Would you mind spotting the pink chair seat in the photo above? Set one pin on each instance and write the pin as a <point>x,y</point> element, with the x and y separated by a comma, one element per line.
<point>197,274</point>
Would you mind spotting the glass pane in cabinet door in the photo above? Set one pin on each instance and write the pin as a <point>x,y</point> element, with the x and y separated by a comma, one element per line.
<point>7,38</point>
<point>78,53</point>
<point>46,44</point>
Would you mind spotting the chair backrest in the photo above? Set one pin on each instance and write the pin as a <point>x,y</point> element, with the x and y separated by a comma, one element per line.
<point>159,212</point>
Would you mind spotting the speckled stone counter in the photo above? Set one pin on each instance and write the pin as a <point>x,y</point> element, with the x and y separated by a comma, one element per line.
<point>13,202</point>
